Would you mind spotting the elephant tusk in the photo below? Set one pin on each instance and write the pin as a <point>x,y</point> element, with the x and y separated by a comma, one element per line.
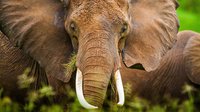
<point>120,89</point>
<point>79,91</point>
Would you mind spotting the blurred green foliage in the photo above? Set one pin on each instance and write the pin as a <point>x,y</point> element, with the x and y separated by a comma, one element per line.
<point>190,5</point>
<point>135,104</point>
<point>189,15</point>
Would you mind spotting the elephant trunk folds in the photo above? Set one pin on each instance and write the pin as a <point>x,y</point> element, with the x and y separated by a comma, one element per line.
<point>96,63</point>
<point>96,76</point>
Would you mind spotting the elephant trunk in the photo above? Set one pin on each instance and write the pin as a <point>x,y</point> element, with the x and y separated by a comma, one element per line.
<point>97,71</point>
<point>95,85</point>
<point>96,61</point>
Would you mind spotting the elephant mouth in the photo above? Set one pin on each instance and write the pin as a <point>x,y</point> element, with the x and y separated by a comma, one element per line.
<point>81,98</point>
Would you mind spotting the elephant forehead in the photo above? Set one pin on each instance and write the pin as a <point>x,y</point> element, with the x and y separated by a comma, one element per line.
<point>92,10</point>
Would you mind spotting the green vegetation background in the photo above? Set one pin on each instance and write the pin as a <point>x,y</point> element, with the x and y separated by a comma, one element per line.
<point>189,15</point>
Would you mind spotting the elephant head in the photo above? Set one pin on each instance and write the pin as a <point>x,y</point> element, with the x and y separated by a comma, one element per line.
<point>100,31</point>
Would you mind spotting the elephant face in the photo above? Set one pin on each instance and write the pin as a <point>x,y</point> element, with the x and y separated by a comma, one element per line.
<point>145,30</point>
<point>99,31</point>
<point>97,28</point>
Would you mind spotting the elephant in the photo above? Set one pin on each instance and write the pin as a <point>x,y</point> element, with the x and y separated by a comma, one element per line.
<point>13,63</point>
<point>101,32</point>
<point>180,66</point>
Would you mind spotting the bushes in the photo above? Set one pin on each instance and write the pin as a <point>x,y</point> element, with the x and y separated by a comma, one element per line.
<point>136,104</point>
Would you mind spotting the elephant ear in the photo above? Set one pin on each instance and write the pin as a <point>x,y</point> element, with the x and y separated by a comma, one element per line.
<point>154,26</point>
<point>37,27</point>
<point>192,58</point>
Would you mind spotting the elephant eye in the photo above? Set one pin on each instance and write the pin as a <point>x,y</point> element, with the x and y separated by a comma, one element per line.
<point>124,30</point>
<point>73,27</point>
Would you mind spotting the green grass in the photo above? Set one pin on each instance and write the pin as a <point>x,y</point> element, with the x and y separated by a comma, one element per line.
<point>188,20</point>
